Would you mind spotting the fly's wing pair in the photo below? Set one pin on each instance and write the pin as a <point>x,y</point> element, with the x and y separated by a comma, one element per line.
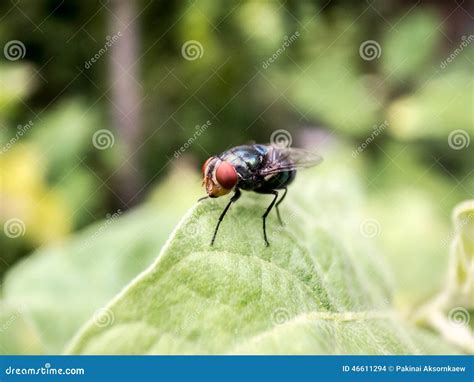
<point>281,159</point>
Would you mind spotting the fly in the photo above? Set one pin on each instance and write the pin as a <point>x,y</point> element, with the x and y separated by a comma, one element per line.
<point>264,169</point>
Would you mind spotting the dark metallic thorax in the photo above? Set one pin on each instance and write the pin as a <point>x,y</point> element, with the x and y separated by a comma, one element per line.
<point>249,162</point>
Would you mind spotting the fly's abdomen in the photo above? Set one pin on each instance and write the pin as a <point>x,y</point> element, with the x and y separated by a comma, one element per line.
<point>279,180</point>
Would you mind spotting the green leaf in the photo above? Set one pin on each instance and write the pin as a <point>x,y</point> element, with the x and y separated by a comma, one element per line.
<point>319,288</point>
<point>59,287</point>
<point>449,311</point>
<point>18,334</point>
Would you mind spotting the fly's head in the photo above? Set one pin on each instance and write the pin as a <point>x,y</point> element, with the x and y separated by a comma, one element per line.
<point>219,177</point>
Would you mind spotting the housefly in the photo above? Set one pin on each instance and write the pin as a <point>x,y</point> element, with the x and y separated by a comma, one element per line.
<point>264,169</point>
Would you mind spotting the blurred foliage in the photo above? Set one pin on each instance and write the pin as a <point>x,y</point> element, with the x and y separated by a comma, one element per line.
<point>455,300</point>
<point>17,333</point>
<point>16,84</point>
<point>438,108</point>
<point>26,196</point>
<point>319,88</point>
<point>408,48</point>
<point>88,270</point>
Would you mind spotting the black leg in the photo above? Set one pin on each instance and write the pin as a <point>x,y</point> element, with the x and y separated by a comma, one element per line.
<point>264,216</point>
<point>234,198</point>
<point>276,205</point>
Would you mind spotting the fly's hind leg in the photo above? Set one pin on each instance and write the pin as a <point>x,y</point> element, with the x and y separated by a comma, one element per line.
<point>264,216</point>
<point>276,205</point>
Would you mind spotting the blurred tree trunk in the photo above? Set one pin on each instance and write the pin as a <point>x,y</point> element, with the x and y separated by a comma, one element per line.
<point>126,96</point>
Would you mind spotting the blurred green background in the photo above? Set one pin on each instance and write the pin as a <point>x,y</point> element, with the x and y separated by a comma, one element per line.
<point>90,151</point>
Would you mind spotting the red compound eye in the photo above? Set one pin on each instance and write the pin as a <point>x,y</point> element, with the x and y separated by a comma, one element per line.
<point>226,175</point>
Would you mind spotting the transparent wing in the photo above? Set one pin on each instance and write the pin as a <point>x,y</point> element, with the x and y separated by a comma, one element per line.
<point>287,158</point>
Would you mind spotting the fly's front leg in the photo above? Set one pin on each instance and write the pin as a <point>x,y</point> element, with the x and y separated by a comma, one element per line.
<point>278,203</point>
<point>264,216</point>
<point>234,198</point>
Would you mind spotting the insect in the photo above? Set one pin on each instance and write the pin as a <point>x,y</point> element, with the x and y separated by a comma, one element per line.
<point>257,167</point>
